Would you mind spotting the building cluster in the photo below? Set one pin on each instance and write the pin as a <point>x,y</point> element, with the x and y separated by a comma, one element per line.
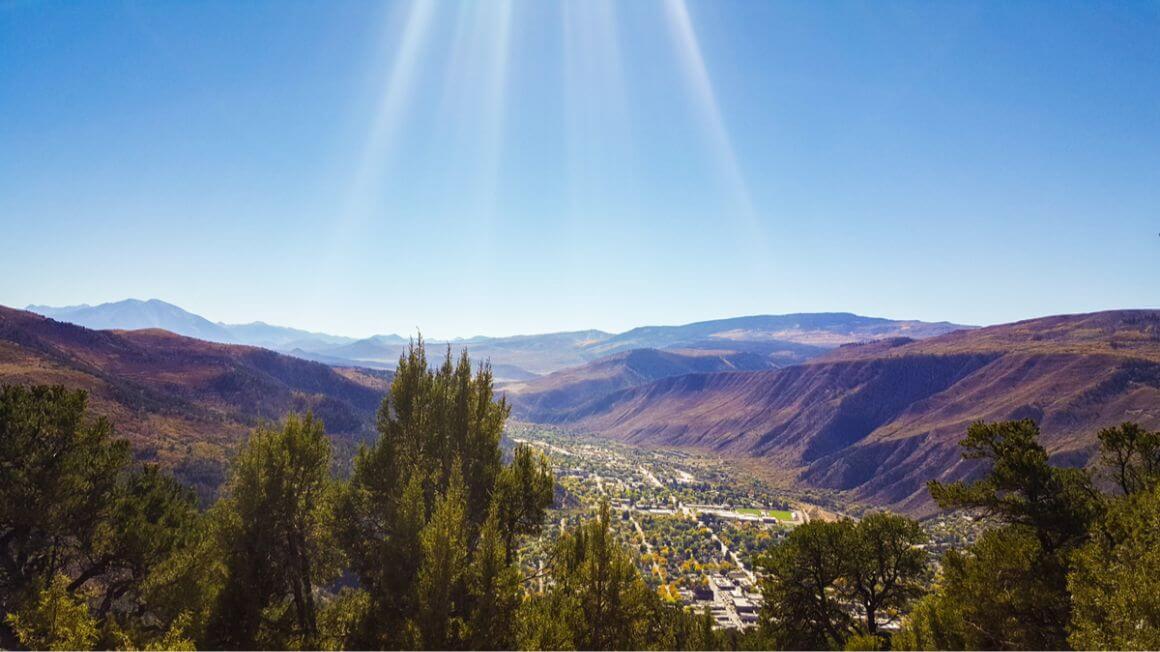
<point>733,599</point>
<point>695,529</point>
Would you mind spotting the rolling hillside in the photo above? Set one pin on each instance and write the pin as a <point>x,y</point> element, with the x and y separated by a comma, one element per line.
<point>879,420</point>
<point>548,397</point>
<point>181,401</point>
<point>876,419</point>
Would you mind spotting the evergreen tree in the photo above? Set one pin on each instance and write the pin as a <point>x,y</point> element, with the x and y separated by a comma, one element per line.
<point>55,619</point>
<point>495,588</point>
<point>152,519</point>
<point>885,570</point>
<point>1000,594</point>
<point>1131,456</point>
<point>1053,571</point>
<point>61,471</point>
<point>272,529</point>
<point>1020,487</point>
<point>523,491</point>
<point>73,509</point>
<point>802,607</point>
<point>180,593</point>
<point>1011,587</point>
<point>152,515</point>
<point>1113,581</point>
<point>442,570</point>
<point>829,582</point>
<point>415,517</point>
<point>935,622</point>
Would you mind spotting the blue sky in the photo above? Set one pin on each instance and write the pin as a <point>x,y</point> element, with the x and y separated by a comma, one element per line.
<point>504,167</point>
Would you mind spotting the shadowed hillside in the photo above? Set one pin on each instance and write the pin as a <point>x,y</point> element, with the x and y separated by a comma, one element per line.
<point>878,420</point>
<point>549,397</point>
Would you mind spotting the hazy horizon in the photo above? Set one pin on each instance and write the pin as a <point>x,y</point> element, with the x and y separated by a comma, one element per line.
<point>462,336</point>
<point>520,167</point>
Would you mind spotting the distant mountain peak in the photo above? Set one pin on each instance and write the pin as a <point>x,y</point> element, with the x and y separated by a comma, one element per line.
<point>783,339</point>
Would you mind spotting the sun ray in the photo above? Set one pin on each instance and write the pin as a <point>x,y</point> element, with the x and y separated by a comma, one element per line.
<point>390,112</point>
<point>472,108</point>
<point>701,87</point>
<point>401,47</point>
<point>596,116</point>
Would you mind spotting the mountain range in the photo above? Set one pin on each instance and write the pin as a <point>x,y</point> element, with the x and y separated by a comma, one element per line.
<point>879,419</point>
<point>134,314</point>
<point>872,408</point>
<point>780,339</point>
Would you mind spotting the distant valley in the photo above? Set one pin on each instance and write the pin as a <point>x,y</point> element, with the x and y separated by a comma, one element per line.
<point>878,420</point>
<point>869,407</point>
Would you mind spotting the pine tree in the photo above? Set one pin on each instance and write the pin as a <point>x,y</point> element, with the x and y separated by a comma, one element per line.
<point>74,508</point>
<point>802,607</point>
<point>494,588</point>
<point>1011,587</point>
<point>440,584</point>
<point>61,471</point>
<point>1131,456</point>
<point>523,491</point>
<point>414,518</point>
<point>884,567</point>
<point>271,529</point>
<point>1113,576</point>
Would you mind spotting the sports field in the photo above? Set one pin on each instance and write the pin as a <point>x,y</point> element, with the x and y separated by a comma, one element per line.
<point>779,514</point>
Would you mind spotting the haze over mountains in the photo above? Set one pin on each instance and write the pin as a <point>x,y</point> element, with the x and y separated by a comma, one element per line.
<point>134,314</point>
<point>869,407</point>
<point>781,339</point>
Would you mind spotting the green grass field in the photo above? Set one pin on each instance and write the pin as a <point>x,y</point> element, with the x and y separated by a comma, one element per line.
<point>779,514</point>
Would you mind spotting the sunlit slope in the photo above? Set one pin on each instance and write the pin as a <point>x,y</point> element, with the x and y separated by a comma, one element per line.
<point>880,420</point>
<point>182,401</point>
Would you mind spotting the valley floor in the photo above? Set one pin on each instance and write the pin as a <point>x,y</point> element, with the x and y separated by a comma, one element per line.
<point>696,525</point>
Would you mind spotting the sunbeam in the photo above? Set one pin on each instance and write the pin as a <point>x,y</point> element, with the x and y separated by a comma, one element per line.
<point>596,116</point>
<point>701,87</point>
<point>389,113</point>
<point>375,157</point>
<point>471,117</point>
<point>497,29</point>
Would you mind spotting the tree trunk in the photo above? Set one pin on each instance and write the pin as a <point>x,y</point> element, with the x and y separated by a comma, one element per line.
<point>296,583</point>
<point>307,587</point>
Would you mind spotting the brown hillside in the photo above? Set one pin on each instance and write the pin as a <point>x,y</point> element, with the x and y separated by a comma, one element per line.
<point>181,401</point>
<point>880,420</point>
